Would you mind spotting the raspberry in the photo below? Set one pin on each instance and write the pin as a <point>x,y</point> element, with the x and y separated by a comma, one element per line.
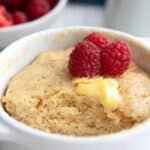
<point>97,39</point>
<point>2,9</point>
<point>37,8</point>
<point>85,60</point>
<point>4,22</point>
<point>19,17</point>
<point>53,2</point>
<point>14,4</point>
<point>5,17</point>
<point>115,58</point>
<point>9,17</point>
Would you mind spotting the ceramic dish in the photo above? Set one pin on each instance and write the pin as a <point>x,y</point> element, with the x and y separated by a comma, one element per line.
<point>10,34</point>
<point>22,52</point>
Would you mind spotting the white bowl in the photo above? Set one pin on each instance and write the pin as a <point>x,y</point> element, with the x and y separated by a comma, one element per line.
<point>22,52</point>
<point>10,34</point>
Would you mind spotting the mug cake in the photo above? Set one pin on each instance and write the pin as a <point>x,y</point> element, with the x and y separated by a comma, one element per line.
<point>91,88</point>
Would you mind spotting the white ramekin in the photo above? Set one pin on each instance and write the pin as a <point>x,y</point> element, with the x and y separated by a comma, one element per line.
<point>22,52</point>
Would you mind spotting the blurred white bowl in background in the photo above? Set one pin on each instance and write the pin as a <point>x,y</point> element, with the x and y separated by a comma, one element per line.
<point>10,34</point>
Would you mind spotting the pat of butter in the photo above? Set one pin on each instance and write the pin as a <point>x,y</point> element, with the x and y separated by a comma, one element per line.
<point>105,89</point>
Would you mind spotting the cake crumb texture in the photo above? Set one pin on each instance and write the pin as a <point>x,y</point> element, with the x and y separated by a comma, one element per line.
<point>42,96</point>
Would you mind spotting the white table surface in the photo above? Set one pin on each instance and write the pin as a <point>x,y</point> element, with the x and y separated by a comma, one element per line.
<point>72,15</point>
